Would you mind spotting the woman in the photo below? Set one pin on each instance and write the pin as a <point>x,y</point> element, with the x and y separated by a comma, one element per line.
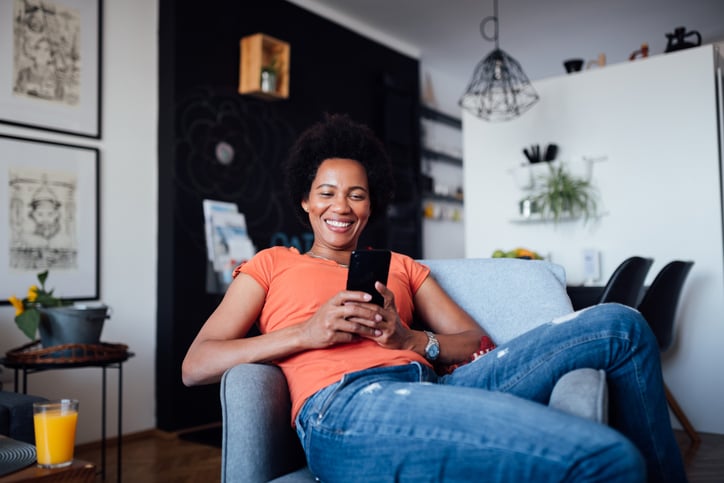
<point>355,369</point>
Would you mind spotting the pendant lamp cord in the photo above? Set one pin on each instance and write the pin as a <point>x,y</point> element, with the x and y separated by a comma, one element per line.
<point>494,19</point>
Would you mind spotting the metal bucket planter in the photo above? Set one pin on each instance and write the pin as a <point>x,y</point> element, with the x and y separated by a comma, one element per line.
<point>72,325</point>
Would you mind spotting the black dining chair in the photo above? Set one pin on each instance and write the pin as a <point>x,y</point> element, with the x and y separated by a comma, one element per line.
<point>627,281</point>
<point>658,307</point>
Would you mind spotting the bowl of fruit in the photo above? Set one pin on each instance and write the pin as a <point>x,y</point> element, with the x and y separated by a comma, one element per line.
<point>519,252</point>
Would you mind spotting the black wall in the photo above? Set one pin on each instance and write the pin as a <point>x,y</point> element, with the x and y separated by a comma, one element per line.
<point>332,70</point>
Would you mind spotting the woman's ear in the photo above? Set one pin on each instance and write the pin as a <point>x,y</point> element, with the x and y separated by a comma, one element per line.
<point>305,205</point>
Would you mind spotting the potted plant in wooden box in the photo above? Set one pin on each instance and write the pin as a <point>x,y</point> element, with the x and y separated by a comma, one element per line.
<point>269,76</point>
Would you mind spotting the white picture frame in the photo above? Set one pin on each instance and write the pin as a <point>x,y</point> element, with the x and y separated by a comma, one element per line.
<point>49,216</point>
<point>50,65</point>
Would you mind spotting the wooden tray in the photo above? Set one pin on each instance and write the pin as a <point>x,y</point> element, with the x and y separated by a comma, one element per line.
<point>34,353</point>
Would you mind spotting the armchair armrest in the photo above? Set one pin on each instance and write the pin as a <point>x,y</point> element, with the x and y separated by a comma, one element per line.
<point>582,392</point>
<point>258,441</point>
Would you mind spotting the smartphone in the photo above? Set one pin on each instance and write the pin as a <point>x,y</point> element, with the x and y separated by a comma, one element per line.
<point>367,267</point>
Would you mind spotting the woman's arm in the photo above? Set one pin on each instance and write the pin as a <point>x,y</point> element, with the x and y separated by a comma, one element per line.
<point>220,344</point>
<point>459,335</point>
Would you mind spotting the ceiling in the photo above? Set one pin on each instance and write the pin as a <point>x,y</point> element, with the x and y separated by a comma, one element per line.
<point>539,34</point>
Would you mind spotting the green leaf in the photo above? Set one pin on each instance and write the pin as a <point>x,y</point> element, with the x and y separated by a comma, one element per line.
<point>28,322</point>
<point>42,276</point>
<point>47,300</point>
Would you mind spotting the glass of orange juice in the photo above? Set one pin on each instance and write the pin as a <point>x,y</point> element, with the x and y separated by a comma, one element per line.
<point>55,423</point>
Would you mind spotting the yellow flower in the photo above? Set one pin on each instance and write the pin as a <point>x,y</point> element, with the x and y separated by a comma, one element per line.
<point>18,304</point>
<point>27,310</point>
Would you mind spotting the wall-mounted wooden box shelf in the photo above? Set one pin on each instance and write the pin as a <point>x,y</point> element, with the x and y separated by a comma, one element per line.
<point>261,51</point>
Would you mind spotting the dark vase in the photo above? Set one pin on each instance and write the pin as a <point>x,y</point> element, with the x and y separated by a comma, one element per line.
<point>677,39</point>
<point>71,325</point>
<point>573,65</point>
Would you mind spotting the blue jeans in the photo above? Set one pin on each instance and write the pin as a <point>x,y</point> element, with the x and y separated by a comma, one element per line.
<point>488,420</point>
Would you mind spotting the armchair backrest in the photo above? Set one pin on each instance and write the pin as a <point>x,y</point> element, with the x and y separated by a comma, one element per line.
<point>505,296</point>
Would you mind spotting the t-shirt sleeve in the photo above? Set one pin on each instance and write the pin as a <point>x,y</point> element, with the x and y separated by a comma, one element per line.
<point>259,267</point>
<point>417,273</point>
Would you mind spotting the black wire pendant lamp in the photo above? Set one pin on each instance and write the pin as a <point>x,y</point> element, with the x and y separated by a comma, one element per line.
<point>499,89</point>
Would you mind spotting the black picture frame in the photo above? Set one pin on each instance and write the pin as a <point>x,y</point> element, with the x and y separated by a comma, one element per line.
<point>51,65</point>
<point>50,217</point>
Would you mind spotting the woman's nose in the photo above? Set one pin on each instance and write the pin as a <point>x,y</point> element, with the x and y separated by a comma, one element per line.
<point>340,204</point>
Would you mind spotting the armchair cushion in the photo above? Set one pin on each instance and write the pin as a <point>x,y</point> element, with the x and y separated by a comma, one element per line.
<point>507,297</point>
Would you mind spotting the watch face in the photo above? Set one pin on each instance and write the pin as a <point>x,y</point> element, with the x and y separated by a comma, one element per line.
<point>433,351</point>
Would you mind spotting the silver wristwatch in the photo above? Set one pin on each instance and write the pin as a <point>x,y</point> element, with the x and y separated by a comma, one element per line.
<point>432,349</point>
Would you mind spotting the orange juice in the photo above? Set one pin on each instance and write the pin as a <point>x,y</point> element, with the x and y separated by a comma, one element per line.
<point>55,425</point>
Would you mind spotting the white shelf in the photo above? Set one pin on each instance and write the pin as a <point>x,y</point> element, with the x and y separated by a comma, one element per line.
<point>445,198</point>
<point>538,219</point>
<point>561,219</point>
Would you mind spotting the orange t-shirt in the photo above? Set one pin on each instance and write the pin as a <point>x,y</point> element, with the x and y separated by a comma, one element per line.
<point>296,286</point>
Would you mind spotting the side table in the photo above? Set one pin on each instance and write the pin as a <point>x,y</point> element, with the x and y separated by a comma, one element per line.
<point>31,358</point>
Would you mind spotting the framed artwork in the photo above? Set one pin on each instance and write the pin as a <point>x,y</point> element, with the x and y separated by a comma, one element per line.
<point>50,65</point>
<point>49,218</point>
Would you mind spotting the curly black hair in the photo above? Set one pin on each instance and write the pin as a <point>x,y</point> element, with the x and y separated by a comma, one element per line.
<point>338,136</point>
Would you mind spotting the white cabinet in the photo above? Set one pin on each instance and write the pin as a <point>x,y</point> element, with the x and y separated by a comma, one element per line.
<point>657,120</point>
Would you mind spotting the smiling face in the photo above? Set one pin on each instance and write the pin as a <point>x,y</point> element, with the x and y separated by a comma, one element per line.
<point>338,205</point>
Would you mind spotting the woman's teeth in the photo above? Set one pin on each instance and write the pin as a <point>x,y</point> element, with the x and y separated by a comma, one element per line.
<point>338,224</point>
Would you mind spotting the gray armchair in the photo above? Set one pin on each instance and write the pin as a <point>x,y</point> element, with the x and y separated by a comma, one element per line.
<point>505,296</point>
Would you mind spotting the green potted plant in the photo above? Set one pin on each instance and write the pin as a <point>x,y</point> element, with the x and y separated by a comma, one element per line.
<point>58,321</point>
<point>563,195</point>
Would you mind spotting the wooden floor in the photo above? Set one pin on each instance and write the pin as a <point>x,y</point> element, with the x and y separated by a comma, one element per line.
<point>705,462</point>
<point>157,456</point>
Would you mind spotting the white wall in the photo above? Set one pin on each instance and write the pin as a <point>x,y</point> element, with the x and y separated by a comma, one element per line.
<point>655,121</point>
<point>128,227</point>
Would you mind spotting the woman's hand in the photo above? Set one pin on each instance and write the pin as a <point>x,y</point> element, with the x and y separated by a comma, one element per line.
<point>389,331</point>
<point>343,319</point>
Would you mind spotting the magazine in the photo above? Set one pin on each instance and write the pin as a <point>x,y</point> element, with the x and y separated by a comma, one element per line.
<point>230,241</point>
<point>211,207</point>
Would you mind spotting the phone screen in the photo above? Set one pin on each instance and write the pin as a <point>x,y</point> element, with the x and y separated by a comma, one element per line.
<point>367,267</point>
